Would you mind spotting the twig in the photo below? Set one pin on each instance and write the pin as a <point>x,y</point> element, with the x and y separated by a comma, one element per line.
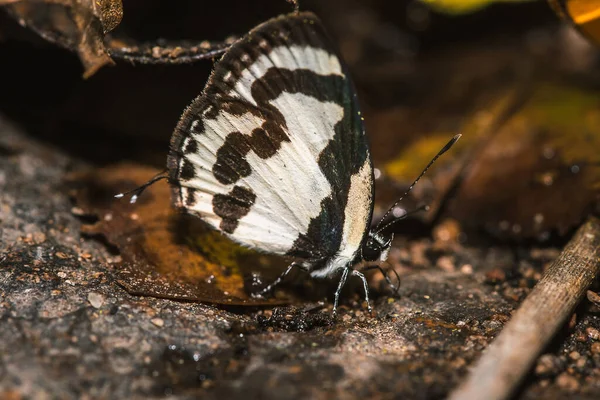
<point>544,311</point>
<point>174,53</point>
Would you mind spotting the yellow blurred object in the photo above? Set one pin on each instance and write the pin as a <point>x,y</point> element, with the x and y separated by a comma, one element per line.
<point>463,6</point>
<point>584,14</point>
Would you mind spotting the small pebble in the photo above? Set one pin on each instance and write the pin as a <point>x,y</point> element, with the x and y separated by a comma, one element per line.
<point>447,230</point>
<point>581,337</point>
<point>593,297</point>
<point>158,322</point>
<point>494,276</point>
<point>39,237</point>
<point>546,365</point>
<point>492,325</point>
<point>593,333</point>
<point>568,382</point>
<point>573,321</point>
<point>466,269</point>
<point>77,211</point>
<point>446,263</point>
<point>95,299</point>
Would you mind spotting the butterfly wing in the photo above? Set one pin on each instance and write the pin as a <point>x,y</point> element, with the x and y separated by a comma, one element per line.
<point>269,152</point>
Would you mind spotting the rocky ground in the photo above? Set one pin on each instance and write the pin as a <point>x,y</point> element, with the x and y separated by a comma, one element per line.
<point>70,330</point>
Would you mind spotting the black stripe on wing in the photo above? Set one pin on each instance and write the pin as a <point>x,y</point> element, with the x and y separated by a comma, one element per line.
<point>343,157</point>
<point>303,29</point>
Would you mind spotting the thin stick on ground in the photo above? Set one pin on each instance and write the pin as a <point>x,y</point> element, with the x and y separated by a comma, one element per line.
<point>511,355</point>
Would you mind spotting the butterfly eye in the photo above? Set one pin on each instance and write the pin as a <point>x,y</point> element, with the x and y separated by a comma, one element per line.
<point>371,250</point>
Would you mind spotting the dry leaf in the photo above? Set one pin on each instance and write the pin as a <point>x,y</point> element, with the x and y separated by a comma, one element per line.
<point>585,15</point>
<point>540,172</point>
<point>78,25</point>
<point>164,253</point>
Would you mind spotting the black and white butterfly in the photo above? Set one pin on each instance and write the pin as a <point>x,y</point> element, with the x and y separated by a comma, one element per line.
<point>273,153</point>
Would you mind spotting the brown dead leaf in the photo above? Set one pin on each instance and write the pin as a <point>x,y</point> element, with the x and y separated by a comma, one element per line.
<point>164,253</point>
<point>78,25</point>
<point>540,172</point>
<point>527,165</point>
<point>404,138</point>
<point>584,15</point>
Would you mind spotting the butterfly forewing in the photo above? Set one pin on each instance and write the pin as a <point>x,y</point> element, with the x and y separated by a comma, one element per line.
<point>273,153</point>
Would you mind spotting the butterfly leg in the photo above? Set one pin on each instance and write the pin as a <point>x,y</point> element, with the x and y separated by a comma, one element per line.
<point>366,286</point>
<point>278,280</point>
<point>395,288</point>
<point>339,290</point>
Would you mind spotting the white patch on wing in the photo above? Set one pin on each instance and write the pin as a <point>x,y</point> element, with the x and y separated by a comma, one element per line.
<point>289,186</point>
<point>356,220</point>
<point>316,60</point>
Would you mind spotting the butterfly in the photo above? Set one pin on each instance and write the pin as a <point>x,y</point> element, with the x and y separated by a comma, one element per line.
<point>274,155</point>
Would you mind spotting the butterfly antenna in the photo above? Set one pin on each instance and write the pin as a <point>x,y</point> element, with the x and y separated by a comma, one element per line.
<point>416,210</point>
<point>138,191</point>
<point>442,151</point>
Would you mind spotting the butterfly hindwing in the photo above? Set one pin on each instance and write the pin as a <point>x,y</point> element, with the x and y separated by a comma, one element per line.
<point>273,153</point>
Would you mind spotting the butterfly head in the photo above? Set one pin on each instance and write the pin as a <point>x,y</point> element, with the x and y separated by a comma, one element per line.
<point>377,246</point>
